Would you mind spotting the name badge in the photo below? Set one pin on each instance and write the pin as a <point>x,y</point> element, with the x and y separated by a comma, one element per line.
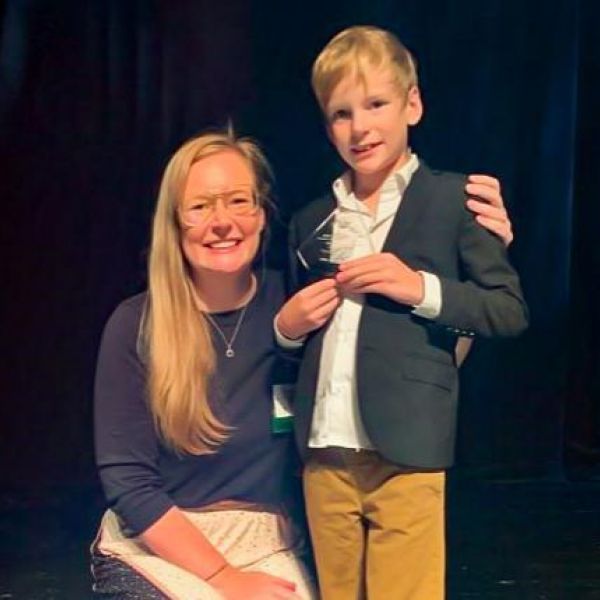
<point>282,419</point>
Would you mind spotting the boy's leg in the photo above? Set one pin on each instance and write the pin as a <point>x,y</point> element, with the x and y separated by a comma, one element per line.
<point>336,526</point>
<point>405,548</point>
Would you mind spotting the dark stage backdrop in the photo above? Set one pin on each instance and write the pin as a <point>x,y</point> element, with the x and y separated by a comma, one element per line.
<point>96,95</point>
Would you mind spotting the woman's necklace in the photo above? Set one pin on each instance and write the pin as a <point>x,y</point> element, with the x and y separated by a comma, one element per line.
<point>229,351</point>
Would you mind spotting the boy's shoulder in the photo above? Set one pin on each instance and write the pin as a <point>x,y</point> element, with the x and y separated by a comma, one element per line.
<point>433,183</point>
<point>324,203</point>
<point>316,211</point>
<point>443,191</point>
<point>425,175</point>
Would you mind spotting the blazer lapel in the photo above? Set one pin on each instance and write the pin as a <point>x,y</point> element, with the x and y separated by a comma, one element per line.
<point>411,210</point>
<point>321,210</point>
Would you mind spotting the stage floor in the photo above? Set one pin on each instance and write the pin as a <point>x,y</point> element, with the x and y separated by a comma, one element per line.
<point>506,540</point>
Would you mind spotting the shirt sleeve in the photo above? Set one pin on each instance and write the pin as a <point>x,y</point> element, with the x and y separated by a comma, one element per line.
<point>285,342</point>
<point>431,305</point>
<point>127,447</point>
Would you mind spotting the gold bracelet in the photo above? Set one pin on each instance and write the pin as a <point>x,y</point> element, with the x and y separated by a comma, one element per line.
<point>221,568</point>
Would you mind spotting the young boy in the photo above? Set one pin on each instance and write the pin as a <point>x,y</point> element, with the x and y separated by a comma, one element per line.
<point>375,407</point>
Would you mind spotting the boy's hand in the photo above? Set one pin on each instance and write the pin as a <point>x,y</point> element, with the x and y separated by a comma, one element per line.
<point>382,273</point>
<point>308,309</point>
<point>486,202</point>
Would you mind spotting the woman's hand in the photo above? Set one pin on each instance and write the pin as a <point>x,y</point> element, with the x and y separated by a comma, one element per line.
<point>308,309</point>
<point>252,585</point>
<point>485,200</point>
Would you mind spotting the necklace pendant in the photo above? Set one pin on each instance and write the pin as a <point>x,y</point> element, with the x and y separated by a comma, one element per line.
<point>229,353</point>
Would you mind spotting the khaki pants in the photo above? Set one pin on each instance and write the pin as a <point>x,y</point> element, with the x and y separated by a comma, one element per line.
<point>377,528</point>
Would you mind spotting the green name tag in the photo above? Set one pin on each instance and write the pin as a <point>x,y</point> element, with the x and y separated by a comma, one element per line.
<point>282,419</point>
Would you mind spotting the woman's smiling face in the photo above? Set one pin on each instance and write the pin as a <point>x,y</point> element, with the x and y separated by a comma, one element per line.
<point>225,239</point>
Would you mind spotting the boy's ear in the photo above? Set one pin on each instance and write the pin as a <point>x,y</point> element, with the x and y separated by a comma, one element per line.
<point>414,106</point>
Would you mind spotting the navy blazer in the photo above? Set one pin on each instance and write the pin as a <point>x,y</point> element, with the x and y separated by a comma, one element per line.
<point>406,374</point>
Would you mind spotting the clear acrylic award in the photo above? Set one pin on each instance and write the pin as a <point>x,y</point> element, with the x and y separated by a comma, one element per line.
<point>332,242</point>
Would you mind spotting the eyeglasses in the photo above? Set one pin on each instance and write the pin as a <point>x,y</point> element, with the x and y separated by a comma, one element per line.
<point>240,203</point>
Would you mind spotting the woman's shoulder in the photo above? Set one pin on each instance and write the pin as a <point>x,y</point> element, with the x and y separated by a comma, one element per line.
<point>130,308</point>
<point>124,321</point>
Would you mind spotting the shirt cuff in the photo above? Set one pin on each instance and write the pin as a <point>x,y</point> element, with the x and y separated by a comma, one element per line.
<point>285,342</point>
<point>431,305</point>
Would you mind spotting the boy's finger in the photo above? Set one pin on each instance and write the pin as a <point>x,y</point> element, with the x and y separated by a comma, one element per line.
<point>344,277</point>
<point>362,278</point>
<point>314,293</point>
<point>359,262</point>
<point>319,301</point>
<point>321,285</point>
<point>325,311</point>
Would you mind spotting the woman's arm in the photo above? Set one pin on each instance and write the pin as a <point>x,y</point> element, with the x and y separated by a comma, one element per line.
<point>174,538</point>
<point>127,452</point>
<point>485,200</point>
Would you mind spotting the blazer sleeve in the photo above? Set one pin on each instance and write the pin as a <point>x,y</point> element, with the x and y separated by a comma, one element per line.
<point>488,301</point>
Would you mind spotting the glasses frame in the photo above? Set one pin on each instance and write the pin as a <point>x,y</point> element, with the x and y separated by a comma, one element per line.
<point>214,199</point>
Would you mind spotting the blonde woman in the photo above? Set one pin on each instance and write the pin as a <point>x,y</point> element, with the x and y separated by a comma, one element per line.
<point>197,478</point>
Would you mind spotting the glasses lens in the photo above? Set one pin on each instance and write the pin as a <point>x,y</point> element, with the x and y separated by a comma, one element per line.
<point>194,215</point>
<point>240,203</point>
<point>236,203</point>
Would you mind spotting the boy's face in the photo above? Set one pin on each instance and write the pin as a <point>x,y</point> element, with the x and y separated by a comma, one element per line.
<point>368,124</point>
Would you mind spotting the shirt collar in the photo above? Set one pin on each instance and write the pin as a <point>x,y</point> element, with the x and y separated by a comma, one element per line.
<point>395,184</point>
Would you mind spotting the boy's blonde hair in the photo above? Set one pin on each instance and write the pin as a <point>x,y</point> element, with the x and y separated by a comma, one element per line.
<point>175,334</point>
<point>356,51</point>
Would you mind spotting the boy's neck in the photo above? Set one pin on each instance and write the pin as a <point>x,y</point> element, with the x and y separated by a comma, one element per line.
<point>367,187</point>
<point>369,199</point>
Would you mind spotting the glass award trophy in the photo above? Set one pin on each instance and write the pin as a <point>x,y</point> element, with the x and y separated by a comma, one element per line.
<point>332,242</point>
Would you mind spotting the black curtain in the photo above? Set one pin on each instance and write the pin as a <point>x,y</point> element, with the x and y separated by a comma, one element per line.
<point>582,410</point>
<point>95,96</point>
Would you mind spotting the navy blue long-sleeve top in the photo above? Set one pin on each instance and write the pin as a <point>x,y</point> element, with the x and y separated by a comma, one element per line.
<point>142,478</point>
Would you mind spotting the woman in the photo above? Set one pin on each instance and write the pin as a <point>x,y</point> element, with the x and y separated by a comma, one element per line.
<point>197,481</point>
<point>194,472</point>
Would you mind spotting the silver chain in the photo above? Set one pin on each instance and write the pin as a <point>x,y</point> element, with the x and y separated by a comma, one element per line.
<point>229,351</point>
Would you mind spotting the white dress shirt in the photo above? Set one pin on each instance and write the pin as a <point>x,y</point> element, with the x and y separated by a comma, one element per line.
<point>356,232</point>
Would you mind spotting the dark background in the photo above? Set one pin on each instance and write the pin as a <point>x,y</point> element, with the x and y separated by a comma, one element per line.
<point>95,96</point>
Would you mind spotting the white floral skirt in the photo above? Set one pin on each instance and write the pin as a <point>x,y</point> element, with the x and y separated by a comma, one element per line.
<point>250,540</point>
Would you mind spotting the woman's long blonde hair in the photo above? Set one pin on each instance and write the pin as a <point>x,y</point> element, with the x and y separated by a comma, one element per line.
<point>175,335</point>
